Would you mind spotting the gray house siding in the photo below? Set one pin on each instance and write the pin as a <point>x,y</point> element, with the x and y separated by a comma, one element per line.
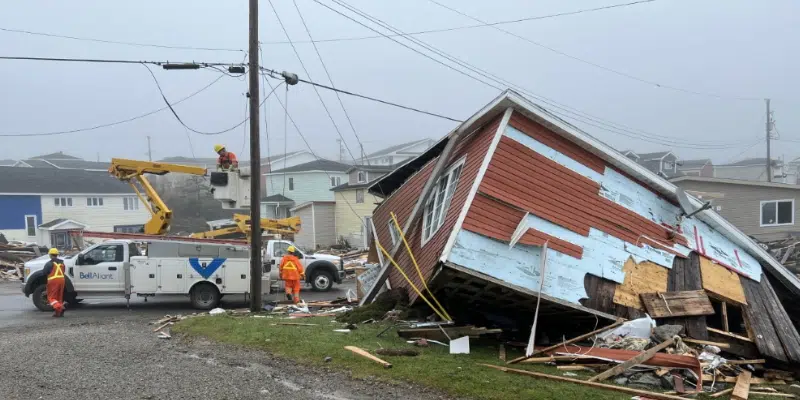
<point>741,205</point>
<point>319,226</point>
<point>305,238</point>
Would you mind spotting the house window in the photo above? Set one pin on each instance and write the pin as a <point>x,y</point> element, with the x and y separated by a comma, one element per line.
<point>129,228</point>
<point>777,212</point>
<point>359,196</point>
<point>130,203</point>
<point>669,165</point>
<point>439,202</point>
<point>336,181</point>
<point>395,234</point>
<point>63,201</point>
<point>30,225</point>
<point>362,177</point>
<point>291,183</point>
<point>94,201</point>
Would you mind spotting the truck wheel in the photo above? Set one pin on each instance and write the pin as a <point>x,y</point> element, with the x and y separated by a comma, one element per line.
<point>205,296</point>
<point>321,281</point>
<point>39,297</point>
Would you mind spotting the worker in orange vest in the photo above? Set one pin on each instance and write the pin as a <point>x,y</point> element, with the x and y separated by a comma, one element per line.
<point>292,272</point>
<point>227,161</point>
<point>54,270</point>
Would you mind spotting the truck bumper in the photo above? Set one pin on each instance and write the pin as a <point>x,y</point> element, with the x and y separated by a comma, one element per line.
<point>340,277</point>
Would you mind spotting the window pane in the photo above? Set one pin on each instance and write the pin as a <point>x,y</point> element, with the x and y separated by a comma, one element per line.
<point>55,202</point>
<point>125,203</point>
<point>88,201</point>
<point>100,201</point>
<point>30,225</point>
<point>785,212</point>
<point>768,211</point>
<point>69,201</point>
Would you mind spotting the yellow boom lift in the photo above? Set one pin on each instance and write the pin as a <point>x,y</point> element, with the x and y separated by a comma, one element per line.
<point>133,171</point>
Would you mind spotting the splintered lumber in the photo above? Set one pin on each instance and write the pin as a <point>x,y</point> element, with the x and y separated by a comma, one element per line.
<point>164,325</point>
<point>623,389</point>
<point>753,381</point>
<point>502,352</point>
<point>786,395</point>
<point>543,360</point>
<point>569,341</point>
<point>677,304</point>
<point>742,389</point>
<point>706,342</point>
<point>365,354</point>
<point>439,333</point>
<point>722,393</point>
<point>646,355</point>
<point>730,335</point>
<point>744,362</point>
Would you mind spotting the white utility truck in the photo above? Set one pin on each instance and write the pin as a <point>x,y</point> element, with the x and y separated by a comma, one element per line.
<point>116,268</point>
<point>322,270</point>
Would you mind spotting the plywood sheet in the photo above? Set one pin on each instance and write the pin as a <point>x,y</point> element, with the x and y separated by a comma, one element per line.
<point>644,277</point>
<point>721,281</point>
<point>677,304</point>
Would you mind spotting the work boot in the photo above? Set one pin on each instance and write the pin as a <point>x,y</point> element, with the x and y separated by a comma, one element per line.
<point>289,297</point>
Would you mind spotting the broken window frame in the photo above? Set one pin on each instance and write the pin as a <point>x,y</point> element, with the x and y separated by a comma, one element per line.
<point>439,203</point>
<point>776,205</point>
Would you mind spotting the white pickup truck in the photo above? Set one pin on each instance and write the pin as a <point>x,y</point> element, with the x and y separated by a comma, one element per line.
<point>116,268</point>
<point>322,270</point>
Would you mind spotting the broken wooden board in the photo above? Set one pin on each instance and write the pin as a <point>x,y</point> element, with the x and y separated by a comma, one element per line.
<point>742,389</point>
<point>365,354</point>
<point>730,335</point>
<point>721,281</point>
<point>677,304</point>
<point>644,277</point>
<point>570,341</point>
<point>632,362</point>
<point>685,275</point>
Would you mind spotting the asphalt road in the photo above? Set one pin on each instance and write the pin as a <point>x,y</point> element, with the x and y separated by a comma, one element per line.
<point>103,350</point>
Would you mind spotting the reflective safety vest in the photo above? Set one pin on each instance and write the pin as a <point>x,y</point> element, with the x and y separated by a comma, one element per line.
<point>289,268</point>
<point>57,272</point>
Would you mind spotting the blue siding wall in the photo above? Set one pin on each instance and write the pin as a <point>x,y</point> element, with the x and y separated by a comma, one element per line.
<point>13,210</point>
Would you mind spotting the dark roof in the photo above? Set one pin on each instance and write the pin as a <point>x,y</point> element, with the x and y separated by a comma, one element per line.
<point>59,181</point>
<point>372,168</point>
<point>56,156</point>
<point>650,156</point>
<point>318,165</point>
<point>387,184</point>
<point>751,161</point>
<point>38,163</point>
<point>394,148</point>
<point>683,164</point>
<point>213,160</point>
<point>347,186</point>
<point>81,164</point>
<point>52,223</point>
<point>276,198</point>
<point>7,163</point>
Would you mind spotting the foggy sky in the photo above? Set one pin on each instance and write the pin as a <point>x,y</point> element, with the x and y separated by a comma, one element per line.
<point>733,48</point>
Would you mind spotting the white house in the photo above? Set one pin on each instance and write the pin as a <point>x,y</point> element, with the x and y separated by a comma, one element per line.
<point>307,182</point>
<point>43,204</point>
<point>399,153</point>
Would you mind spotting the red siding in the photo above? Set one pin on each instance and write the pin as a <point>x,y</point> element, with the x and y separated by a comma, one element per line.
<point>473,148</point>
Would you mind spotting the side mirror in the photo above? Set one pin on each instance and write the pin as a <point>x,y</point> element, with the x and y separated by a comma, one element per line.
<point>299,255</point>
<point>268,267</point>
<point>272,262</point>
<point>79,261</point>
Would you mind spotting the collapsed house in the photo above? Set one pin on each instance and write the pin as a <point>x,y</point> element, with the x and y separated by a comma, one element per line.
<point>479,207</point>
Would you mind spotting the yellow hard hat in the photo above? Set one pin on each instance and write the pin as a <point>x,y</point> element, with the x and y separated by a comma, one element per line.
<point>291,249</point>
<point>218,147</point>
<point>53,252</point>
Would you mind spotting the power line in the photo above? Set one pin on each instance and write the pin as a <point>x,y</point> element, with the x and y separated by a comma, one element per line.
<point>90,128</point>
<point>744,151</point>
<point>576,114</point>
<point>136,44</point>
<point>593,64</point>
<point>112,61</point>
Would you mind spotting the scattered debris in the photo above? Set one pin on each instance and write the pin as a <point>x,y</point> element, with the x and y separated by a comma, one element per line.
<point>342,330</point>
<point>365,354</point>
<point>217,311</point>
<point>460,345</point>
<point>328,359</point>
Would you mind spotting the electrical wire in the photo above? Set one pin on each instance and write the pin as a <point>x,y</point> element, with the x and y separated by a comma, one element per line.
<point>593,64</point>
<point>116,61</point>
<point>137,44</point>
<point>106,125</point>
<point>566,112</point>
<point>744,151</point>
<point>285,136</point>
<point>319,96</point>
<point>266,112</point>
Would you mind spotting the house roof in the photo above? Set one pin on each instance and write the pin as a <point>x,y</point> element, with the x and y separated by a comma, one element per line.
<point>735,182</point>
<point>80,164</point>
<point>317,165</point>
<point>687,164</point>
<point>510,99</point>
<point>7,163</point>
<point>372,168</point>
<point>58,221</point>
<point>38,163</point>
<point>276,198</point>
<point>308,203</point>
<point>348,186</point>
<point>56,156</point>
<point>652,156</point>
<point>15,180</point>
<point>750,162</point>
<point>397,147</point>
<point>213,160</point>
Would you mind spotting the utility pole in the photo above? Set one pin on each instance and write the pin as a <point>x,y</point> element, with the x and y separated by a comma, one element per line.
<point>255,165</point>
<point>769,132</point>
<point>149,151</point>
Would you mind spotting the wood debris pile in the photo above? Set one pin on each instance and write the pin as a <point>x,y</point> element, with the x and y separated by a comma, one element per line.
<point>14,255</point>
<point>787,251</point>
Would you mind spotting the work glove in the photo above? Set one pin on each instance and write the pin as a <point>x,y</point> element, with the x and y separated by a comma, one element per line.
<point>303,276</point>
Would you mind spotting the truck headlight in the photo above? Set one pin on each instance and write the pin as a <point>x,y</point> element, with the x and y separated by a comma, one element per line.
<point>27,272</point>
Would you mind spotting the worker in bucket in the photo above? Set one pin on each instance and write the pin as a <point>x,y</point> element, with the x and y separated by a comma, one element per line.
<point>227,161</point>
<point>54,271</point>
<point>292,272</point>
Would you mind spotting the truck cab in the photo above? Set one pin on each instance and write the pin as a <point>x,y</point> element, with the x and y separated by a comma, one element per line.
<point>322,270</point>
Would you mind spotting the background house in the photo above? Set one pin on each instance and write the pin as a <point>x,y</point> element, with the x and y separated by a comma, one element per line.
<point>354,206</point>
<point>763,210</point>
<point>42,204</point>
<point>60,160</point>
<point>701,167</point>
<point>397,154</point>
<point>663,163</point>
<point>750,169</point>
<point>307,182</point>
<point>276,206</point>
<point>318,227</point>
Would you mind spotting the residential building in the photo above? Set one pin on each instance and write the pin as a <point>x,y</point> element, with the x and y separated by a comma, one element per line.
<point>60,160</point>
<point>663,163</point>
<point>318,226</point>
<point>398,154</point>
<point>8,163</point>
<point>522,205</point>
<point>751,169</point>
<point>307,182</point>
<point>276,206</point>
<point>763,210</point>
<point>43,204</point>
<point>701,167</point>
<point>354,206</point>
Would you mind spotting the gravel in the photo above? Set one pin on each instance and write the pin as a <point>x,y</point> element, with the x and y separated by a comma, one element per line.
<point>119,357</point>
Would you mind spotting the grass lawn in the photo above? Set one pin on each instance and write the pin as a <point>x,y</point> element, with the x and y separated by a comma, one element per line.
<point>457,375</point>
